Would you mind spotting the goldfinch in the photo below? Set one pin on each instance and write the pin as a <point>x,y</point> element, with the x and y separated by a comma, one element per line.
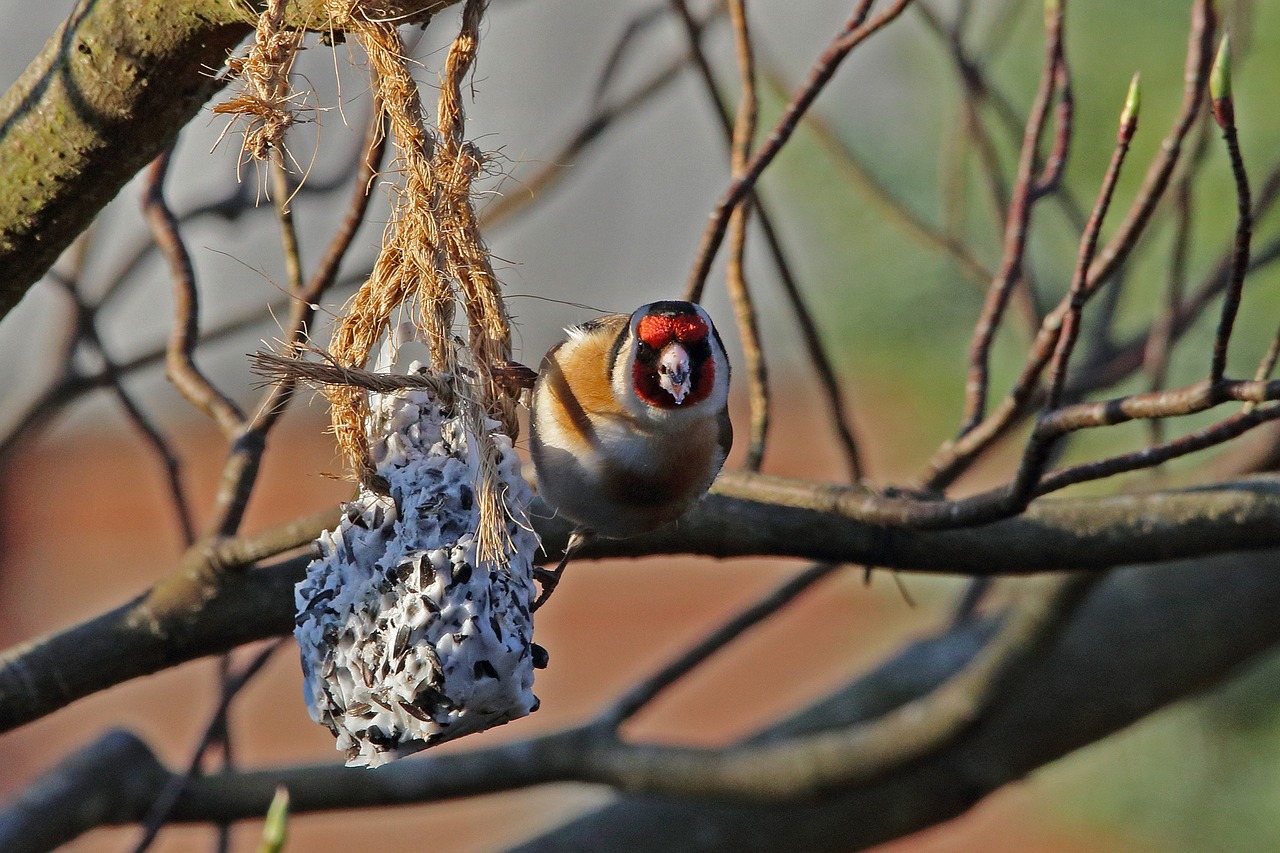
<point>629,419</point>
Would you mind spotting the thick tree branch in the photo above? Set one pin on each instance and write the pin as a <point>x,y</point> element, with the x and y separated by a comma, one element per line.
<point>1143,638</point>
<point>139,638</point>
<point>201,611</point>
<point>26,825</point>
<point>108,92</point>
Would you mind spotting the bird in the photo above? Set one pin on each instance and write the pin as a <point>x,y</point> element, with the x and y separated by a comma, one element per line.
<point>629,422</point>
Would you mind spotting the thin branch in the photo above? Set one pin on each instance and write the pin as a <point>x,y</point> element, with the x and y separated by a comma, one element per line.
<point>74,384</point>
<point>1025,194</point>
<point>744,309</point>
<point>157,440</point>
<point>231,207</point>
<point>83,330</point>
<point>38,413</point>
<point>642,21</point>
<point>894,209</point>
<point>1268,363</point>
<point>1050,178</point>
<point>180,362</point>
<point>1159,346</point>
<point>160,811</point>
<point>1088,246</point>
<point>954,456</point>
<point>977,90</point>
<point>855,31</point>
<point>818,358</point>
<point>1210,436</point>
<point>1013,498</point>
<point>1001,27</point>
<point>1189,399</point>
<point>1200,43</point>
<point>1219,279</point>
<point>240,471</point>
<point>604,114</point>
<point>740,133</point>
<point>837,407</point>
<point>1224,114</point>
<point>643,693</point>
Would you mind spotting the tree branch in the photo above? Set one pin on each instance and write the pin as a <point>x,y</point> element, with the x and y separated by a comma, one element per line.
<point>201,611</point>
<point>1145,637</point>
<point>1141,639</point>
<point>109,92</point>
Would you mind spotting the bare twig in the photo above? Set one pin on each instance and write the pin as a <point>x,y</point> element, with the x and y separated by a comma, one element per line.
<point>741,136</point>
<point>1224,114</point>
<point>855,31</point>
<point>895,210</point>
<point>1199,58</point>
<point>640,695</point>
<point>1088,245</point>
<point>180,362</point>
<point>241,468</point>
<point>603,116</point>
<point>1210,436</point>
<point>625,43</point>
<point>154,437</point>
<point>162,808</point>
<point>1266,366</point>
<point>1159,346</point>
<point>814,348</point>
<point>37,414</point>
<point>977,90</point>
<point>1219,279</point>
<point>953,457</point>
<point>232,206</point>
<point>1050,178</point>
<point>1025,194</point>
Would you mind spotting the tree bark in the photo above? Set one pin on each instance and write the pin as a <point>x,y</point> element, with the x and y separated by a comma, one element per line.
<point>108,92</point>
<point>196,611</point>
<point>1145,638</point>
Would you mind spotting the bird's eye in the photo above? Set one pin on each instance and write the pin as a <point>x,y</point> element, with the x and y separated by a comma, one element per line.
<point>644,352</point>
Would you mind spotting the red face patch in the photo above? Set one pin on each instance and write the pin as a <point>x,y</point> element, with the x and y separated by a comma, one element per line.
<point>649,389</point>
<point>657,331</point>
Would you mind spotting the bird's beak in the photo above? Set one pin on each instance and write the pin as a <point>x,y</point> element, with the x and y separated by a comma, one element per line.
<point>673,371</point>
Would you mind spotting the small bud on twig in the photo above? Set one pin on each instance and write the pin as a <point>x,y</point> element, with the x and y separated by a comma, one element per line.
<point>275,828</point>
<point>1220,85</point>
<point>1132,104</point>
<point>1052,11</point>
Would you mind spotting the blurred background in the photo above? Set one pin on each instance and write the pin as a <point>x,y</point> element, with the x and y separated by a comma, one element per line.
<point>86,524</point>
